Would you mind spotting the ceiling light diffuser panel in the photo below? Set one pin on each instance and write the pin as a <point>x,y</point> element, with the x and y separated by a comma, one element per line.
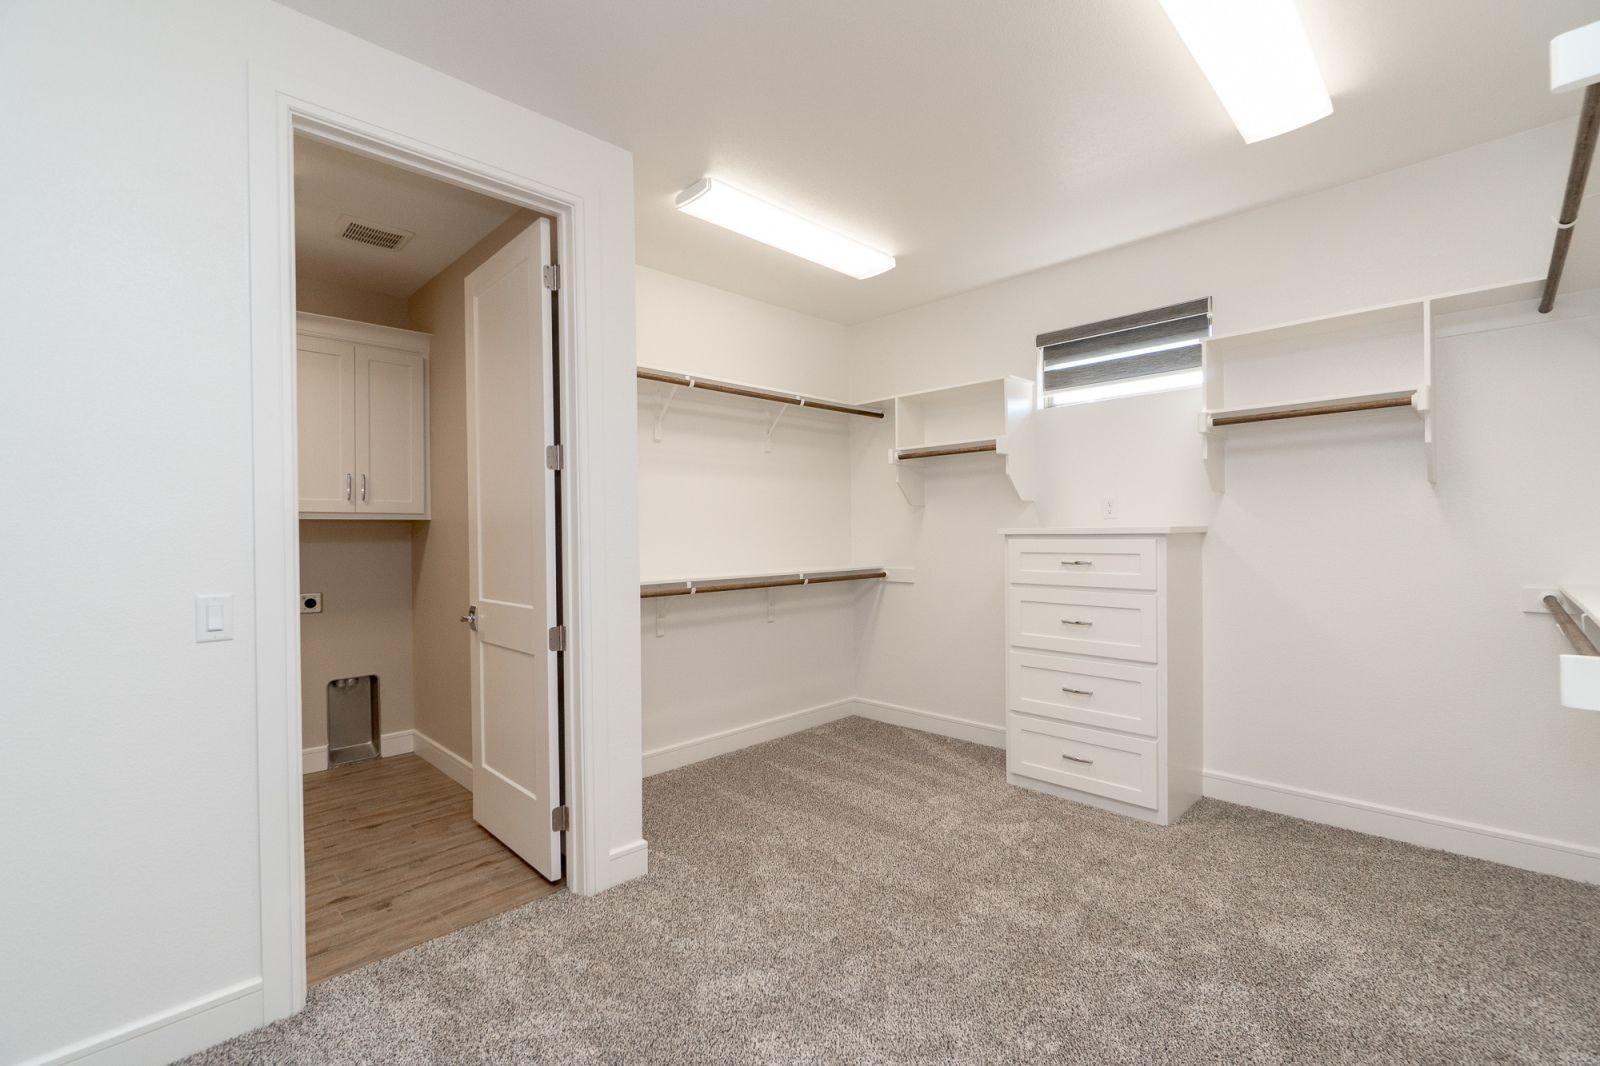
<point>723,205</point>
<point>1258,59</point>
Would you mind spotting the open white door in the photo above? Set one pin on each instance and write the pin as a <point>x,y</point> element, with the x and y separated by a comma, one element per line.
<point>511,529</point>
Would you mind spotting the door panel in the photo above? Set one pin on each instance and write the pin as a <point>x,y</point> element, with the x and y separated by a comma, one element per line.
<point>325,384</point>
<point>512,548</point>
<point>391,420</point>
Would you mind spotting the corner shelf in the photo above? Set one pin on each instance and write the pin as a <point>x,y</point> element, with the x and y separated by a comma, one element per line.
<point>1368,360</point>
<point>983,417</point>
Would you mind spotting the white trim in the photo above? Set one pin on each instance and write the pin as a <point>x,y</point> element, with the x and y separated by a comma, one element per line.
<point>473,139</point>
<point>1523,850</point>
<point>672,756</point>
<point>399,742</point>
<point>629,861</point>
<point>349,329</point>
<point>315,760</point>
<point>442,759</point>
<point>945,725</point>
<point>170,1035</point>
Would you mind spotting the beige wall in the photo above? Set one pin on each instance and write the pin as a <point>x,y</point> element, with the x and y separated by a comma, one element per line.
<point>439,548</point>
<point>347,301</point>
<point>363,570</point>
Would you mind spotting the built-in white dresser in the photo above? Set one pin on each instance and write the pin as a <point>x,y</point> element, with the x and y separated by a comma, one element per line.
<point>1103,666</point>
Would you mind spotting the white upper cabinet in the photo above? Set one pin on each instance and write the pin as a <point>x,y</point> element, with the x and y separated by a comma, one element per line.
<point>363,411</point>
<point>325,389</point>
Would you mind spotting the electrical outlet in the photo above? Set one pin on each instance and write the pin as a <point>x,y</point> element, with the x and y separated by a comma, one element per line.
<point>311,603</point>
<point>1108,509</point>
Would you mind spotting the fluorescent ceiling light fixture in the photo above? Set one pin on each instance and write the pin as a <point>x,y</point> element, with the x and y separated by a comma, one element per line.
<point>1258,59</point>
<point>721,204</point>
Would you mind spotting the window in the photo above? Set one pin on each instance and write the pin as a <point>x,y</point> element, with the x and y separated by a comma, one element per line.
<point>1151,351</point>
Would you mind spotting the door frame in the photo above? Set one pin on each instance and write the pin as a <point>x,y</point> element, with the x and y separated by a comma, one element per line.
<point>600,740</point>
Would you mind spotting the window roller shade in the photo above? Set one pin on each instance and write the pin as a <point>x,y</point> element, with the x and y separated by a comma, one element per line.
<point>1119,348</point>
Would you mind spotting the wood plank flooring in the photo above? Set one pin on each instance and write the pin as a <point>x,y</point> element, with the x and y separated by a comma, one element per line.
<point>393,858</point>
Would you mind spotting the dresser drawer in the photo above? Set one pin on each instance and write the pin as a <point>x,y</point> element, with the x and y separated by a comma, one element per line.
<point>1089,760</point>
<point>1107,695</point>
<point>1118,625</point>
<point>1087,562</point>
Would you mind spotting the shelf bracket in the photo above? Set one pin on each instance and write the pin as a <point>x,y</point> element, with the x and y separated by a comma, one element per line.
<point>660,607</point>
<point>772,428</point>
<point>661,415</point>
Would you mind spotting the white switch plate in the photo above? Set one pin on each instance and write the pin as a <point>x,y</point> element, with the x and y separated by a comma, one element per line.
<point>1108,509</point>
<point>213,618</point>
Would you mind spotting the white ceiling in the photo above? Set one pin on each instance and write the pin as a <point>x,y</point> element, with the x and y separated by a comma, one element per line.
<point>974,140</point>
<point>330,183</point>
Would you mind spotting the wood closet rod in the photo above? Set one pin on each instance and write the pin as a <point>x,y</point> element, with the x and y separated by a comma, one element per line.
<point>687,381</point>
<point>1314,409</point>
<point>1575,635</point>
<point>969,448</point>
<point>765,581</point>
<point>1577,178</point>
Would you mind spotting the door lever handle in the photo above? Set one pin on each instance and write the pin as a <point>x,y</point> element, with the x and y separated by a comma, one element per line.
<point>471,618</point>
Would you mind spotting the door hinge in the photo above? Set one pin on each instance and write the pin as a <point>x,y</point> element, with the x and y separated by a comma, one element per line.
<point>561,819</point>
<point>555,456</point>
<point>558,638</point>
<point>552,277</point>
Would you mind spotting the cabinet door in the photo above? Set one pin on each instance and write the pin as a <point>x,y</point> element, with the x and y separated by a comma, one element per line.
<point>325,392</point>
<point>391,423</point>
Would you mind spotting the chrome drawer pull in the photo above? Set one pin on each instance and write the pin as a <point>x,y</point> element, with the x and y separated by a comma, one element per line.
<point>1075,622</point>
<point>1077,691</point>
<point>1076,562</point>
<point>1074,758</point>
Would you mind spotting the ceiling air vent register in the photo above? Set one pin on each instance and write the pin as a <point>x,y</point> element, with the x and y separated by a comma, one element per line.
<point>370,233</point>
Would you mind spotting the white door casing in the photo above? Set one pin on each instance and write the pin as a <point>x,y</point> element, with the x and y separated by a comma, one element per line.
<point>512,535</point>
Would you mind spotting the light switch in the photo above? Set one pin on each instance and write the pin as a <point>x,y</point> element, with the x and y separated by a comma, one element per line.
<point>213,618</point>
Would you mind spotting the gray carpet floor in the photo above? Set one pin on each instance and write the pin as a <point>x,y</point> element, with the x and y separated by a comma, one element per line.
<point>865,894</point>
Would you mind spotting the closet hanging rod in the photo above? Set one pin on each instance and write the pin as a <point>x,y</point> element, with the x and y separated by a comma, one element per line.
<point>689,381</point>
<point>1581,644</point>
<point>1313,409</point>
<point>763,581</point>
<point>1577,178</point>
<point>970,447</point>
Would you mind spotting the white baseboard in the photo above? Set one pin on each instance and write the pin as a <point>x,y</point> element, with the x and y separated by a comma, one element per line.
<point>1539,854</point>
<point>627,862</point>
<point>672,756</point>
<point>400,743</point>
<point>945,725</point>
<point>315,760</point>
<point>442,759</point>
<point>170,1035</point>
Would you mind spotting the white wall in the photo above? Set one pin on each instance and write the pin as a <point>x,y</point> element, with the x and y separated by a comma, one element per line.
<point>714,502</point>
<point>1362,626</point>
<point>129,753</point>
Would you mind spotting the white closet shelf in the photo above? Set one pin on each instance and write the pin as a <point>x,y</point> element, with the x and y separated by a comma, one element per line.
<point>981,417</point>
<point>730,388</point>
<point>1221,417</point>
<point>964,447</point>
<point>1363,360</point>
<point>1580,671</point>
<point>695,586</point>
